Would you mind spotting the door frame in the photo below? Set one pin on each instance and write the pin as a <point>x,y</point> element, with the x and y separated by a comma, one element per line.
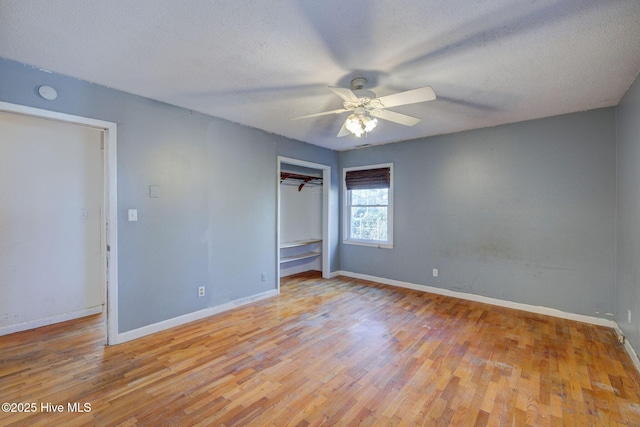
<point>109,226</point>
<point>326,188</point>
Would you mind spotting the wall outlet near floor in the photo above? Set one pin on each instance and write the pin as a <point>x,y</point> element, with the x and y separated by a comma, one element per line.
<point>628,316</point>
<point>201,291</point>
<point>263,277</point>
<point>435,272</point>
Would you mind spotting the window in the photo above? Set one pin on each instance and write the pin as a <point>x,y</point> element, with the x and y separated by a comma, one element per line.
<point>368,209</point>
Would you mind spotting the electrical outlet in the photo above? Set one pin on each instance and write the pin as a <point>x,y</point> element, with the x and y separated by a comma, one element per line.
<point>628,316</point>
<point>435,272</point>
<point>201,291</point>
<point>263,277</point>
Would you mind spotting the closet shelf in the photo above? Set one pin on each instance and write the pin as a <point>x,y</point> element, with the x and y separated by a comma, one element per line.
<point>299,256</point>
<point>298,243</point>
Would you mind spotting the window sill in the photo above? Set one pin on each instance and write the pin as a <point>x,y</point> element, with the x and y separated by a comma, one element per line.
<point>369,244</point>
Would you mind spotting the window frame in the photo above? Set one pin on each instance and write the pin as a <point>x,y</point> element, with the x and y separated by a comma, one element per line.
<point>346,211</point>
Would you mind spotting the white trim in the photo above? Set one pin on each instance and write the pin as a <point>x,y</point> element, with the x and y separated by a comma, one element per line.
<point>629,348</point>
<point>367,243</point>
<point>632,354</point>
<point>111,199</point>
<point>32,324</point>
<point>54,115</point>
<point>336,274</point>
<point>388,244</point>
<point>326,189</point>
<point>487,300</point>
<point>191,317</point>
<point>110,217</point>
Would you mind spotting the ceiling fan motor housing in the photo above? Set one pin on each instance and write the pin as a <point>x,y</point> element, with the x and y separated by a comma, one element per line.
<point>363,93</point>
<point>358,83</point>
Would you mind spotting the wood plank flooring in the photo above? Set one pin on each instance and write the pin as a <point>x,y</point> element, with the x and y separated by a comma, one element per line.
<point>336,352</point>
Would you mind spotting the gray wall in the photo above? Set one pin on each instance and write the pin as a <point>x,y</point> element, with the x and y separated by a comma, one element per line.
<point>523,212</point>
<point>214,224</point>
<point>628,225</point>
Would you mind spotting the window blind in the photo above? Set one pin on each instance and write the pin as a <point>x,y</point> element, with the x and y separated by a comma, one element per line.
<point>368,179</point>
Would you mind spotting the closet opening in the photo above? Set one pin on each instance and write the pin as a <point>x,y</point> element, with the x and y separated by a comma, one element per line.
<point>303,217</point>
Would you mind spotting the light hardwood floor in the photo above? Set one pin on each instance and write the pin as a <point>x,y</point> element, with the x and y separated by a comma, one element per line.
<point>329,352</point>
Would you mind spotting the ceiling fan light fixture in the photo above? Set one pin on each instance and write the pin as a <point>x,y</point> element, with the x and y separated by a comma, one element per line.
<point>370,124</point>
<point>367,108</point>
<point>360,123</point>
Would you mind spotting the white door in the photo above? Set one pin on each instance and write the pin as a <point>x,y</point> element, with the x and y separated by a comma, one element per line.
<point>51,197</point>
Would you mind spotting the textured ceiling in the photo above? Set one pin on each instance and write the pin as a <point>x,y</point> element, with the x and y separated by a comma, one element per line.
<point>261,62</point>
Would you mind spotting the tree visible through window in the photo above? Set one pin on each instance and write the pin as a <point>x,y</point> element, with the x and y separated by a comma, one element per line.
<point>368,205</point>
<point>369,217</point>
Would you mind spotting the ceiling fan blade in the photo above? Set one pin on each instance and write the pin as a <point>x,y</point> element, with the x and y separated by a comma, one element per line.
<point>344,93</point>
<point>325,113</point>
<point>392,116</point>
<point>412,96</point>
<point>343,130</point>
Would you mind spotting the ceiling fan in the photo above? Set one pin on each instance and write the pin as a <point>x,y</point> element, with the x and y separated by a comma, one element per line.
<point>367,108</point>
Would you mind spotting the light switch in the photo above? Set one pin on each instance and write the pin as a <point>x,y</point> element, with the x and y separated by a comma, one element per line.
<point>84,214</point>
<point>133,214</point>
<point>154,191</point>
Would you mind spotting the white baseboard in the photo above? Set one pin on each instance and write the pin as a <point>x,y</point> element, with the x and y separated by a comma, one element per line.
<point>632,354</point>
<point>32,324</point>
<point>630,350</point>
<point>487,300</point>
<point>190,317</point>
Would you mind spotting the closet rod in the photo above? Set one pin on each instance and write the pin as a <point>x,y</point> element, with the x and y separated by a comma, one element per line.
<point>306,183</point>
<point>313,184</point>
<point>306,179</point>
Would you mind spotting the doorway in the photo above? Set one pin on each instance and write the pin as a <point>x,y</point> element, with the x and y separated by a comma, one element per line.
<point>57,228</point>
<point>324,174</point>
